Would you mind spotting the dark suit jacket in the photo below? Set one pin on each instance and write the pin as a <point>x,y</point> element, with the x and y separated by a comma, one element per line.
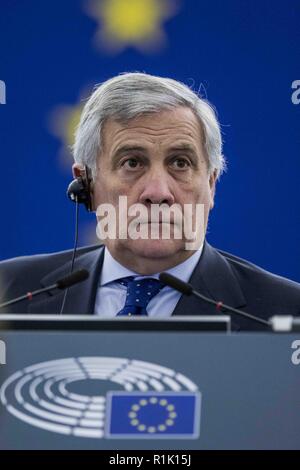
<point>218,275</point>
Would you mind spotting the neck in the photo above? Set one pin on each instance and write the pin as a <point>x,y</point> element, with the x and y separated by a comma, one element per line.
<point>145,265</point>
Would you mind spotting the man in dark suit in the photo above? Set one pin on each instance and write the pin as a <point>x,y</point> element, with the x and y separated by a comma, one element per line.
<point>156,143</point>
<point>218,275</point>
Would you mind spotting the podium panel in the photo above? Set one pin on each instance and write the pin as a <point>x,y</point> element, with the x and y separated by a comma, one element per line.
<point>90,385</point>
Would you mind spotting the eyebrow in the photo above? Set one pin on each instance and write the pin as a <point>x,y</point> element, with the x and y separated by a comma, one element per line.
<point>126,149</point>
<point>183,146</point>
<point>139,148</point>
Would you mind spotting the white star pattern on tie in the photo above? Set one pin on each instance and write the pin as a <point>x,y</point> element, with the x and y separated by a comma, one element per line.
<point>139,294</point>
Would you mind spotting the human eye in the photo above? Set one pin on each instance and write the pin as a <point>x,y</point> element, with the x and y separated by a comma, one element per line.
<point>180,163</point>
<point>132,163</point>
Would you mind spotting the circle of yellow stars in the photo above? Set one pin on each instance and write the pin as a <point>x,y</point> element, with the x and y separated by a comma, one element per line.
<point>169,421</point>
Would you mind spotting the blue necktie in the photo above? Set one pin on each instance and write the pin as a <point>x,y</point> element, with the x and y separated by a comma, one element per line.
<point>139,294</point>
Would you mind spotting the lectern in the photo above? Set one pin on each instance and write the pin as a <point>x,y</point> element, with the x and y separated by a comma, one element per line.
<point>81,382</point>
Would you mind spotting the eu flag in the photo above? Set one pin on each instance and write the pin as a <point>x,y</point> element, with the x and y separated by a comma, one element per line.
<point>153,414</point>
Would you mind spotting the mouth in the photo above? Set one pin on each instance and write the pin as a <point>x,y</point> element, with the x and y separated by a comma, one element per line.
<point>159,223</point>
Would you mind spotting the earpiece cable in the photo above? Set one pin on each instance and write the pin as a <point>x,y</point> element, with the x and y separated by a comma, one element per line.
<point>74,251</point>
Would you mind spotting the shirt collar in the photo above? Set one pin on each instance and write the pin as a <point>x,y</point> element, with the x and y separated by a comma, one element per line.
<point>113,270</point>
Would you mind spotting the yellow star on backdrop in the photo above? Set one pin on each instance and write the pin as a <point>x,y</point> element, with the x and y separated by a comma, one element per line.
<point>135,23</point>
<point>62,123</point>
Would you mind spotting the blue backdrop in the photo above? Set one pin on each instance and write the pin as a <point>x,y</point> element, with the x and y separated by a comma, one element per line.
<point>244,55</point>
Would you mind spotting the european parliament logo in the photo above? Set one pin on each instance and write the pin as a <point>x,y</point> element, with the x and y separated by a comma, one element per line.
<point>81,397</point>
<point>157,415</point>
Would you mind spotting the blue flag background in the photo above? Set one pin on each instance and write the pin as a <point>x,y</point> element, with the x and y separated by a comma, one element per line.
<point>242,55</point>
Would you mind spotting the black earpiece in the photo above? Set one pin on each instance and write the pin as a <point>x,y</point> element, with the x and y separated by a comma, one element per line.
<point>79,190</point>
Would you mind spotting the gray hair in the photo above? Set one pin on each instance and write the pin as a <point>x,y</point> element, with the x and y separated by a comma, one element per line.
<point>133,94</point>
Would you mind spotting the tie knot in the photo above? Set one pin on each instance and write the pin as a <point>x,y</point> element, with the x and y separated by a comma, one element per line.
<point>140,292</point>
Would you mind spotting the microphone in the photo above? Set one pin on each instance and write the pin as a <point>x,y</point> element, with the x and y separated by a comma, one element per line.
<point>187,289</point>
<point>71,279</point>
<point>63,283</point>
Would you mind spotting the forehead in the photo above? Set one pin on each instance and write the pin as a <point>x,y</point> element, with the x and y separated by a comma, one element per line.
<point>164,127</point>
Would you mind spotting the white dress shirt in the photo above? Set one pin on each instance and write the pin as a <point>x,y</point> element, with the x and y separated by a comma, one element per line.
<point>110,298</point>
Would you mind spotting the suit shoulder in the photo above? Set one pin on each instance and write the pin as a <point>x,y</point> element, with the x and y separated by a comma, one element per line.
<point>49,259</point>
<point>264,282</point>
<point>25,272</point>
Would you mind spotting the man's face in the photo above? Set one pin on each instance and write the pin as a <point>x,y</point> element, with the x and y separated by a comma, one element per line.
<point>153,159</point>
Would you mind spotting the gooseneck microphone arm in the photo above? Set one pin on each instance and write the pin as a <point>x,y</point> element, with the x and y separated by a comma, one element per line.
<point>187,289</point>
<point>64,283</point>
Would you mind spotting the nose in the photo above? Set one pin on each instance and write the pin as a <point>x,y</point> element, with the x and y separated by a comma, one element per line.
<point>156,190</point>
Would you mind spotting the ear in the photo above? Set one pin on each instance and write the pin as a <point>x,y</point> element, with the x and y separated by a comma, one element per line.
<point>212,184</point>
<point>77,170</point>
<point>80,170</point>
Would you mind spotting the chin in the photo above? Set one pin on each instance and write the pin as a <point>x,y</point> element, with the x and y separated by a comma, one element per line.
<point>156,248</point>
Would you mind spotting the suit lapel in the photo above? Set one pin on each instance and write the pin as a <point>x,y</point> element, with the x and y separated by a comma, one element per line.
<point>214,278</point>
<point>81,297</point>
